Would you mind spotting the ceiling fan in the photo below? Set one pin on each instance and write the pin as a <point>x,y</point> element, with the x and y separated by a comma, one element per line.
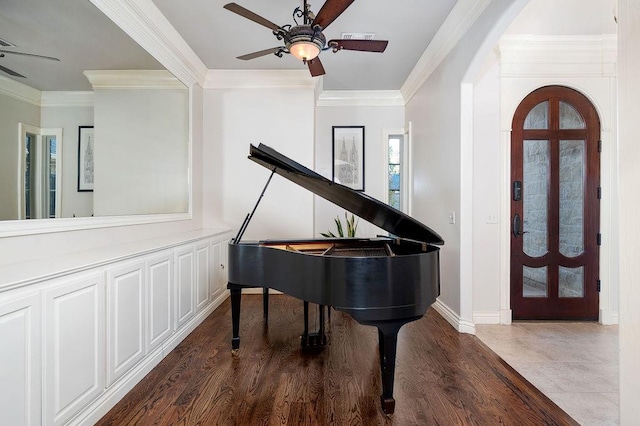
<point>14,73</point>
<point>305,40</point>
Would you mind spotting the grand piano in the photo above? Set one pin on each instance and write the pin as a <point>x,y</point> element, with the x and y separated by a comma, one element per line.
<point>384,282</point>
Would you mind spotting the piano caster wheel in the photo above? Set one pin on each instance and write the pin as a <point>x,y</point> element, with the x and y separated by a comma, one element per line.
<point>388,405</point>
<point>313,340</point>
<point>235,346</point>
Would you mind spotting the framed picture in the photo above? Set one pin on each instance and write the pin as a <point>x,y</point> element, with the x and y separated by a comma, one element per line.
<point>348,156</point>
<point>85,158</point>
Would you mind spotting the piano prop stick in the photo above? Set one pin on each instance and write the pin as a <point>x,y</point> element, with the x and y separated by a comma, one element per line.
<point>384,282</point>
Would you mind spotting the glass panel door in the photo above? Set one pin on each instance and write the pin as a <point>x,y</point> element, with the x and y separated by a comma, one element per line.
<point>535,184</point>
<point>555,170</point>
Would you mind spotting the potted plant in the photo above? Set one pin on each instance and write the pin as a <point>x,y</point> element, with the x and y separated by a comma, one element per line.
<point>352,226</point>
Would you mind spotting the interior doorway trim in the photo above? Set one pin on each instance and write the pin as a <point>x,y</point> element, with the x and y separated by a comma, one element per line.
<point>592,71</point>
<point>608,313</point>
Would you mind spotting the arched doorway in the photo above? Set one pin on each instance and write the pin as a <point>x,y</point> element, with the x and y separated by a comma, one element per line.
<point>555,208</point>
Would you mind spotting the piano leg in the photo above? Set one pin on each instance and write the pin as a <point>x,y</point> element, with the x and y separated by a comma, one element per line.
<point>236,294</point>
<point>317,339</point>
<point>305,333</point>
<point>321,335</point>
<point>387,343</point>
<point>265,303</point>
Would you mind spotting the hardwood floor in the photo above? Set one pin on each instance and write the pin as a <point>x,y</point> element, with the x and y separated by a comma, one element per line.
<point>442,377</point>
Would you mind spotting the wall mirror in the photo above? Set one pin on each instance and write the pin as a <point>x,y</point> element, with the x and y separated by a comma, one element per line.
<point>91,125</point>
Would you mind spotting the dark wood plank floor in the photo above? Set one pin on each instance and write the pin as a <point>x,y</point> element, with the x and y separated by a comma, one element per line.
<point>442,377</point>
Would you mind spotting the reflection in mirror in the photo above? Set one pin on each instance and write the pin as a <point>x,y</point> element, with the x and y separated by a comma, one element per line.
<point>138,109</point>
<point>38,196</point>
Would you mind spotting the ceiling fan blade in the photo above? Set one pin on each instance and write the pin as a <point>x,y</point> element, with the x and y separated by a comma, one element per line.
<point>11,72</point>
<point>259,54</point>
<point>315,67</point>
<point>329,11</point>
<point>361,45</point>
<point>246,13</point>
<point>30,54</point>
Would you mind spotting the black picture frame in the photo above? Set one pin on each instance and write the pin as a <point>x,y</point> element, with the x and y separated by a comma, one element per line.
<point>347,166</point>
<point>86,142</point>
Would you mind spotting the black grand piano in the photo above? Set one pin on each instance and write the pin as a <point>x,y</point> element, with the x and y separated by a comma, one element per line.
<point>385,282</point>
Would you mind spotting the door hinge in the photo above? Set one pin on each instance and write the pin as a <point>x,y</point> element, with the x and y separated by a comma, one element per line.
<point>599,239</point>
<point>600,145</point>
<point>599,193</point>
<point>598,286</point>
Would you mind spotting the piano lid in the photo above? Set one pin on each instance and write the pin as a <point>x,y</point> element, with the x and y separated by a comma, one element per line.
<point>380,214</point>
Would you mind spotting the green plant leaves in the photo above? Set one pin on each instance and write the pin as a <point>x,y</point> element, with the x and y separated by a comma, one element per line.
<point>352,227</point>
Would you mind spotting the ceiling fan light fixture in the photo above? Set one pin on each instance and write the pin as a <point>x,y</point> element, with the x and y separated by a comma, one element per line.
<point>304,50</point>
<point>304,43</point>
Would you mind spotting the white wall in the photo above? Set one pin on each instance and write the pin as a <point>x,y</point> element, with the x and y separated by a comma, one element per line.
<point>566,17</point>
<point>281,117</point>
<point>49,245</point>
<point>629,175</point>
<point>74,203</point>
<point>12,112</point>
<point>486,193</point>
<point>44,241</point>
<point>144,132</point>
<point>526,62</point>
<point>438,186</point>
<point>375,119</point>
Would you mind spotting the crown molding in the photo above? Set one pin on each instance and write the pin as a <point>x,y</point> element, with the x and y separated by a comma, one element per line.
<point>144,23</point>
<point>67,99</point>
<point>260,79</point>
<point>360,98</point>
<point>20,91</point>
<point>457,23</point>
<point>133,79</point>
<point>571,55</point>
<point>28,94</point>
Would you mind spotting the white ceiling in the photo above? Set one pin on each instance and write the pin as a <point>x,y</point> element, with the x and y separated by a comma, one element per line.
<point>84,39</point>
<point>75,32</point>
<point>218,36</point>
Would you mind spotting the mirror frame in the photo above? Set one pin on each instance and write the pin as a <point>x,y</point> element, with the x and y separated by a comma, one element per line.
<point>146,25</point>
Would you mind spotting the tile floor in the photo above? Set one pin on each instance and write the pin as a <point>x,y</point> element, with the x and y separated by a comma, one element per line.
<point>574,364</point>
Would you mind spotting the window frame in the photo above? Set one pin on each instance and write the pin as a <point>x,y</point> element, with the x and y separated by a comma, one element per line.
<point>405,166</point>
<point>39,209</point>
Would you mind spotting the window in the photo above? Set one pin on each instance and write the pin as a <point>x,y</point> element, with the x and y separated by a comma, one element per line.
<point>51,175</point>
<point>41,168</point>
<point>394,169</point>
<point>397,181</point>
<point>29,143</point>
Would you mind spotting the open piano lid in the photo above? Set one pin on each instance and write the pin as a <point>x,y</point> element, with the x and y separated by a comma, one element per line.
<point>380,214</point>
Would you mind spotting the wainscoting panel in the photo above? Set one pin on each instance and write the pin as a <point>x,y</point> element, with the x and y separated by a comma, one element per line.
<point>159,299</point>
<point>185,285</point>
<point>126,318</point>
<point>203,274</point>
<point>20,364</point>
<point>74,345</point>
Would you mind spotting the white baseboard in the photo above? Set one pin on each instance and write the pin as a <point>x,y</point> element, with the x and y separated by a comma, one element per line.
<point>502,316</point>
<point>183,332</point>
<point>462,326</point>
<point>609,317</point>
<point>112,395</point>
<point>506,316</point>
<point>486,317</point>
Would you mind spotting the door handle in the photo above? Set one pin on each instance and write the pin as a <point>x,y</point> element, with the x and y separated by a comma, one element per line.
<point>516,226</point>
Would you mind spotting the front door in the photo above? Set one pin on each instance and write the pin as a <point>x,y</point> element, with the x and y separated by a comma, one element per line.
<point>555,209</point>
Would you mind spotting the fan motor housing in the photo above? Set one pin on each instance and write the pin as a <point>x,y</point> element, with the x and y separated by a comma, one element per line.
<point>305,33</point>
